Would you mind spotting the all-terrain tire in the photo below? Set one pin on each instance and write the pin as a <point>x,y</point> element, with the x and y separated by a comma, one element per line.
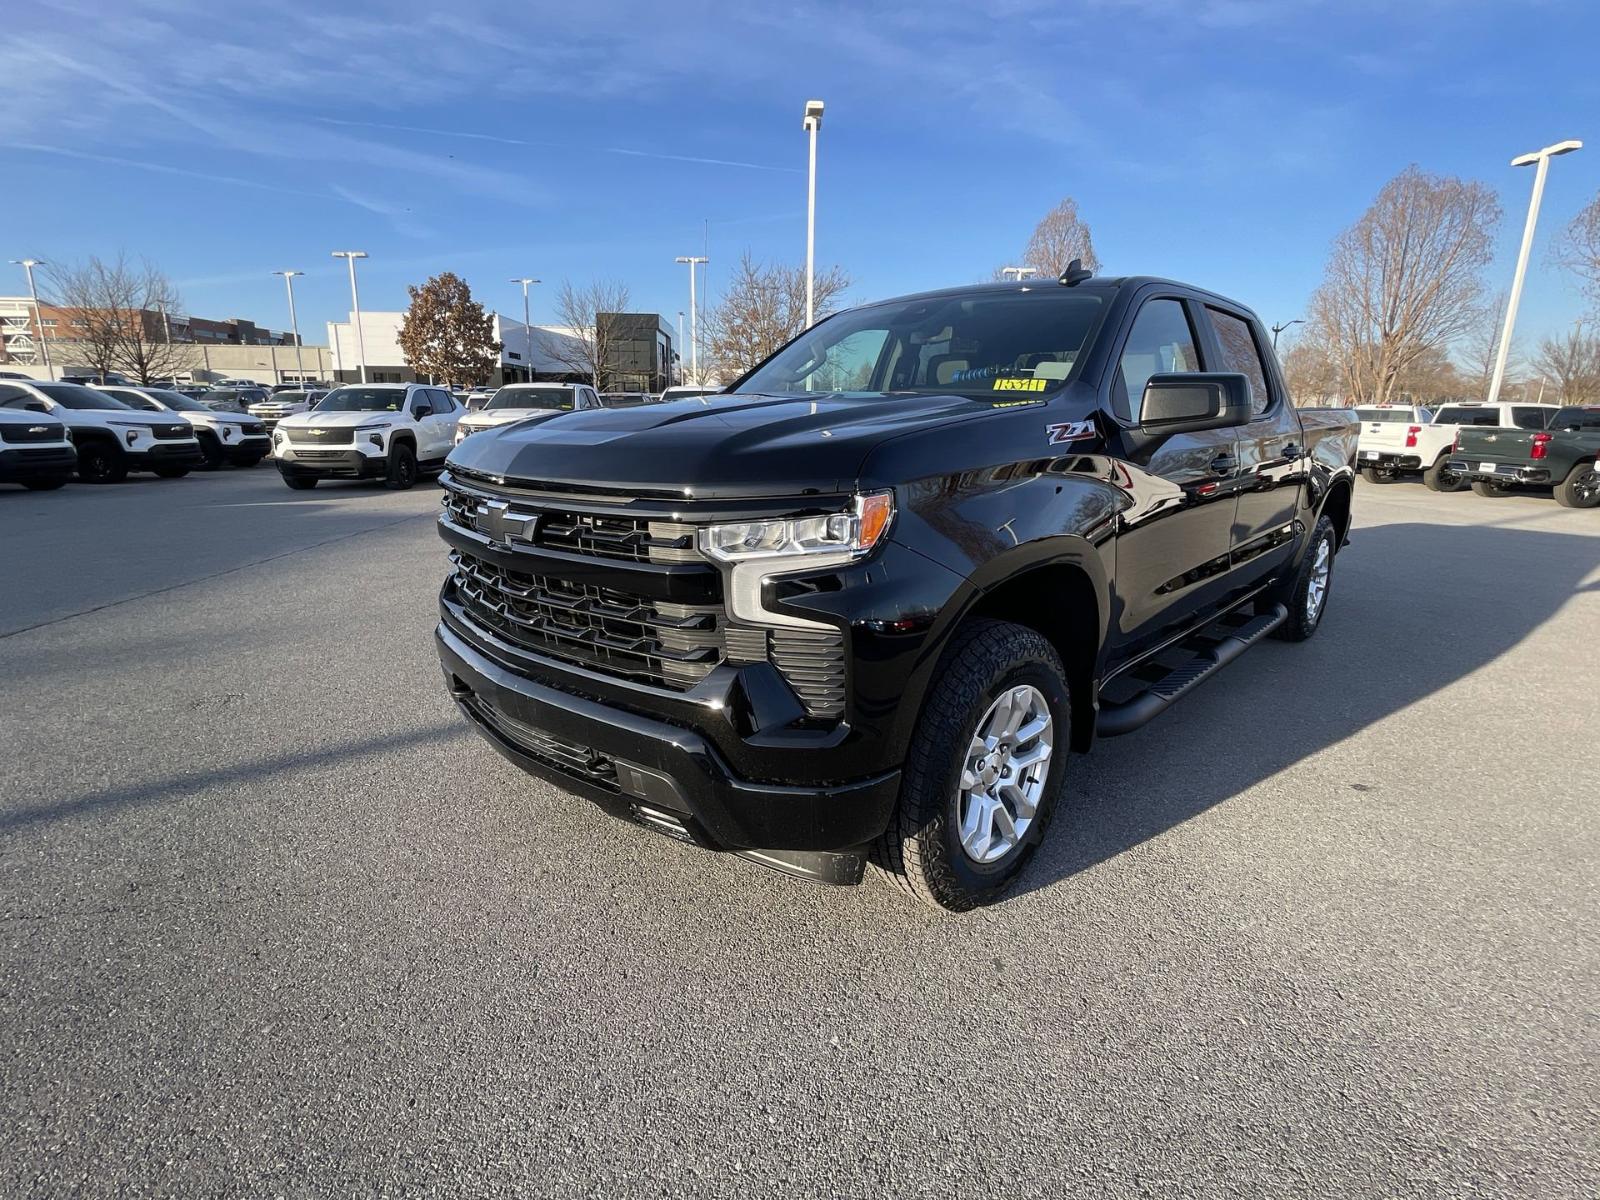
<point>1314,569</point>
<point>921,850</point>
<point>1437,479</point>
<point>1581,487</point>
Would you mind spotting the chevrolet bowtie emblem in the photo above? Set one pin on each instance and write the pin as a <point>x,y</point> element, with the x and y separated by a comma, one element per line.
<point>494,520</point>
<point>38,428</point>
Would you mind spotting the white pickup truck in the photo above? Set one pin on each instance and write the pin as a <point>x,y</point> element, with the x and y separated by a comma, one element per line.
<point>1402,440</point>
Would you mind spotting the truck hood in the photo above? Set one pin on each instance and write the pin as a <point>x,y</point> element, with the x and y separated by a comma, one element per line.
<point>504,416</point>
<point>712,446</point>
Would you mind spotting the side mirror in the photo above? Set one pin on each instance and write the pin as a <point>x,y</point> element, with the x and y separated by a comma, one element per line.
<point>38,406</point>
<point>1182,402</point>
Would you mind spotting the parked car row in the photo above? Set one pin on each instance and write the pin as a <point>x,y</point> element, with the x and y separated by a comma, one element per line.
<point>1489,447</point>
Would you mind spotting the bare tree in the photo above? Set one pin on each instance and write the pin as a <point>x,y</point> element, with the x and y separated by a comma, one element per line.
<point>1481,346</point>
<point>1579,248</point>
<point>1061,236</point>
<point>590,351</point>
<point>763,308</point>
<point>1313,375</point>
<point>120,313</point>
<point>1405,280</point>
<point>1572,363</point>
<point>446,335</point>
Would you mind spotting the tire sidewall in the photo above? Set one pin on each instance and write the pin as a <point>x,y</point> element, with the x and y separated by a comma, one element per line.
<point>399,456</point>
<point>1299,625</point>
<point>104,461</point>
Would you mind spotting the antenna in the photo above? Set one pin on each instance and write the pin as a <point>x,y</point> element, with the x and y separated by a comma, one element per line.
<point>1075,273</point>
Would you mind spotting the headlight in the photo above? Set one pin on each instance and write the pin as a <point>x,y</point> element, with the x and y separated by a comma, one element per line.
<point>848,533</point>
<point>227,431</point>
<point>277,437</point>
<point>374,433</point>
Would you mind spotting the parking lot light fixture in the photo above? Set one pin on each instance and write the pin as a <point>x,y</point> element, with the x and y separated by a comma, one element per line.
<point>1540,161</point>
<point>294,325</point>
<point>355,302</point>
<point>1281,326</point>
<point>1017,273</point>
<point>812,123</point>
<point>27,265</point>
<point>527,329</point>
<point>694,261</point>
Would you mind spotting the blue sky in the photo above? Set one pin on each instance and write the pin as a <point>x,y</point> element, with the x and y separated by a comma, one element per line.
<point>1221,141</point>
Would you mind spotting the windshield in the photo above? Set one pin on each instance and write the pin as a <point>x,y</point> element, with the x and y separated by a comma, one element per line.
<point>178,401</point>
<point>363,399</point>
<point>1023,342</point>
<point>72,395</point>
<point>137,400</point>
<point>287,398</point>
<point>558,398</point>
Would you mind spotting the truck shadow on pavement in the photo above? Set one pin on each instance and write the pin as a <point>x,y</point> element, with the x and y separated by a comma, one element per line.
<point>1414,608</point>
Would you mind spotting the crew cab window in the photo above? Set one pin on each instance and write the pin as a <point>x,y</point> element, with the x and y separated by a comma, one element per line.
<point>443,402</point>
<point>1568,419</point>
<point>1463,415</point>
<point>1162,341</point>
<point>1524,417</point>
<point>1240,353</point>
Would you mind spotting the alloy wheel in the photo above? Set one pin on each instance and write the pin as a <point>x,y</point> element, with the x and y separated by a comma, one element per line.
<point>1004,773</point>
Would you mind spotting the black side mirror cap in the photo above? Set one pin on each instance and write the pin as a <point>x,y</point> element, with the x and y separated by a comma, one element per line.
<point>1183,402</point>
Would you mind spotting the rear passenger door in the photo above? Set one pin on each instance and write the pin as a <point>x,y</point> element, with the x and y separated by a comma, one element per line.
<point>1271,451</point>
<point>445,415</point>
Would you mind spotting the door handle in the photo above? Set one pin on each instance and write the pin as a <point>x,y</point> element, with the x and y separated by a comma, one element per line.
<point>1224,464</point>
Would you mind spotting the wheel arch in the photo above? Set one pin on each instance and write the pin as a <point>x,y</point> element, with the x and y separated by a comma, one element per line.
<point>1336,507</point>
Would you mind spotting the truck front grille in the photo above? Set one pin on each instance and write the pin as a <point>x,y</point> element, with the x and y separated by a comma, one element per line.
<point>656,641</point>
<point>45,432</point>
<point>632,539</point>
<point>173,432</point>
<point>321,437</point>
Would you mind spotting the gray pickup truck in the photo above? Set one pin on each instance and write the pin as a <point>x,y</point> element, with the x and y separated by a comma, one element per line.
<point>1564,456</point>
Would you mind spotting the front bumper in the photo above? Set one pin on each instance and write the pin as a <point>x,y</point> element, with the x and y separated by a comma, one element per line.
<point>331,464</point>
<point>665,775</point>
<point>1499,472</point>
<point>37,462</point>
<point>165,454</point>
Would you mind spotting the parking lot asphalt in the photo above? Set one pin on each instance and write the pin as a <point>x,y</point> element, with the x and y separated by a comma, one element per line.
<point>275,923</point>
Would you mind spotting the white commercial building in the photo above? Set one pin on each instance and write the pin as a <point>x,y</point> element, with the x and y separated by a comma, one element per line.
<point>380,339</point>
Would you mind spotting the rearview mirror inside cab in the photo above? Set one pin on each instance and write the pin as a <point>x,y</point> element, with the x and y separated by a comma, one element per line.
<point>1180,402</point>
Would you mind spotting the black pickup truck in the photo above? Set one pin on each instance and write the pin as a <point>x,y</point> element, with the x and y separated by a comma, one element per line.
<point>1564,456</point>
<point>861,605</point>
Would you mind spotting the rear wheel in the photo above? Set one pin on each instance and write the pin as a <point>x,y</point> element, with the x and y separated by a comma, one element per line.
<point>984,771</point>
<point>101,462</point>
<point>1439,478</point>
<point>1581,487</point>
<point>1305,593</point>
<point>1373,475</point>
<point>1488,487</point>
<point>402,468</point>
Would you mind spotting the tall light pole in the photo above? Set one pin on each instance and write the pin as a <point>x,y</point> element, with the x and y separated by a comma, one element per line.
<point>681,346</point>
<point>694,260</point>
<point>812,123</point>
<point>527,329</point>
<point>1540,160</point>
<point>355,300</point>
<point>1281,326</point>
<point>294,325</point>
<point>28,264</point>
<point>1017,273</point>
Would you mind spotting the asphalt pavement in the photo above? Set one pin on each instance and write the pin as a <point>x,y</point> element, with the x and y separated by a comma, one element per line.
<point>273,922</point>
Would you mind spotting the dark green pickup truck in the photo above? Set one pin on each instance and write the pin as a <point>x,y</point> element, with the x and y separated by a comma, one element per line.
<point>1564,455</point>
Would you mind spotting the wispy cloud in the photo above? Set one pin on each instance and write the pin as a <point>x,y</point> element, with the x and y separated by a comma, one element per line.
<point>567,146</point>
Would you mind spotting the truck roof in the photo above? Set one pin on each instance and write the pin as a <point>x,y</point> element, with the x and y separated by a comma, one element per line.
<point>1097,283</point>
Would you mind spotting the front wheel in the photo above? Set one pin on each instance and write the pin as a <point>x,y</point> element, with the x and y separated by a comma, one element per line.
<point>1488,487</point>
<point>984,771</point>
<point>210,452</point>
<point>100,462</point>
<point>300,483</point>
<point>1305,593</point>
<point>1581,487</point>
<point>402,472</point>
<point>1439,478</point>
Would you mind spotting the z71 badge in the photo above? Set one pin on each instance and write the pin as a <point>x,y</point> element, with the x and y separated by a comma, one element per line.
<point>1070,431</point>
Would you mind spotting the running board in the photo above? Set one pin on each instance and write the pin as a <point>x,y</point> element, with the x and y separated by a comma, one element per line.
<point>1128,715</point>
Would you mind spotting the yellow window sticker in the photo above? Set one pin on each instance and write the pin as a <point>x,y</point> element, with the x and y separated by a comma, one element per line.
<point>1019,385</point>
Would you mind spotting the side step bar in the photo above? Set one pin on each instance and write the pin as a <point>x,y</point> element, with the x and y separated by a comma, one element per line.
<point>1128,715</point>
